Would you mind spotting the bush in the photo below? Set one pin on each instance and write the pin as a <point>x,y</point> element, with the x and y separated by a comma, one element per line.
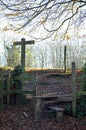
<point>84,78</point>
<point>81,103</point>
<point>16,83</point>
<point>68,108</point>
<point>81,107</point>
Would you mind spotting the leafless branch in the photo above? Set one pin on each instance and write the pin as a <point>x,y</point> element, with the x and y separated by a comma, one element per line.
<point>43,12</point>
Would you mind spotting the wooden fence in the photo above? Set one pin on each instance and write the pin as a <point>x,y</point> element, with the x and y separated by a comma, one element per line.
<point>6,90</point>
<point>5,83</point>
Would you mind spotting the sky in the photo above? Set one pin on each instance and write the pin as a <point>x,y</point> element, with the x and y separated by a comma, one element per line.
<point>11,35</point>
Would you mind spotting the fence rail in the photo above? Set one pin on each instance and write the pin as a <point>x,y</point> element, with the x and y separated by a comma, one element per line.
<point>6,90</point>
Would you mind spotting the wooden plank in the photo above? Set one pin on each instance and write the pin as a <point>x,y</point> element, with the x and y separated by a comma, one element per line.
<point>56,108</point>
<point>17,91</point>
<point>46,97</point>
<point>26,42</point>
<point>81,93</point>
<point>63,98</point>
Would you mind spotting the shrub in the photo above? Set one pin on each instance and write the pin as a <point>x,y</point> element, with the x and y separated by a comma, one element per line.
<point>81,106</point>
<point>16,83</point>
<point>81,103</point>
<point>84,78</point>
<point>68,108</point>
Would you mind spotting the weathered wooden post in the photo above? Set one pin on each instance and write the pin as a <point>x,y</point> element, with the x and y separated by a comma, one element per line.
<point>23,43</point>
<point>65,59</point>
<point>8,87</point>
<point>34,80</point>
<point>37,108</point>
<point>73,89</point>
<point>1,90</point>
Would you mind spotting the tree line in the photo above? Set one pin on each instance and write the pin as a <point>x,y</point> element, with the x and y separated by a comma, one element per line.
<point>48,56</point>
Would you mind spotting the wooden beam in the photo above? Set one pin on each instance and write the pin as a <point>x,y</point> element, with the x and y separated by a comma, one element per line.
<point>26,42</point>
<point>81,93</point>
<point>17,91</point>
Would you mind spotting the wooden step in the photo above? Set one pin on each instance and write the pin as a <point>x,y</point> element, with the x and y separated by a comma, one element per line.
<point>59,112</point>
<point>64,98</point>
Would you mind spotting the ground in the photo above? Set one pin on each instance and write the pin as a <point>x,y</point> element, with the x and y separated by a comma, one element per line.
<point>15,118</point>
<point>22,118</point>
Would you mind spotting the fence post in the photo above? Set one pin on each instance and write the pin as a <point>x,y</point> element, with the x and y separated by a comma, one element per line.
<point>8,88</point>
<point>1,90</point>
<point>34,83</point>
<point>65,59</point>
<point>73,89</point>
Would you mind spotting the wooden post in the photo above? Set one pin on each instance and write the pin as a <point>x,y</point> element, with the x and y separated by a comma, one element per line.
<point>65,59</point>
<point>34,83</point>
<point>73,89</point>
<point>36,86</point>
<point>1,90</point>
<point>23,52</point>
<point>23,43</point>
<point>8,88</point>
<point>37,108</point>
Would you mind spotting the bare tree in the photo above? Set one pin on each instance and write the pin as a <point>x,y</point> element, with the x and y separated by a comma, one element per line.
<point>12,55</point>
<point>41,55</point>
<point>54,51</point>
<point>52,15</point>
<point>29,57</point>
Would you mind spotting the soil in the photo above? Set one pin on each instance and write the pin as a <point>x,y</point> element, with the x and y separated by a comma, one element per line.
<point>22,118</point>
